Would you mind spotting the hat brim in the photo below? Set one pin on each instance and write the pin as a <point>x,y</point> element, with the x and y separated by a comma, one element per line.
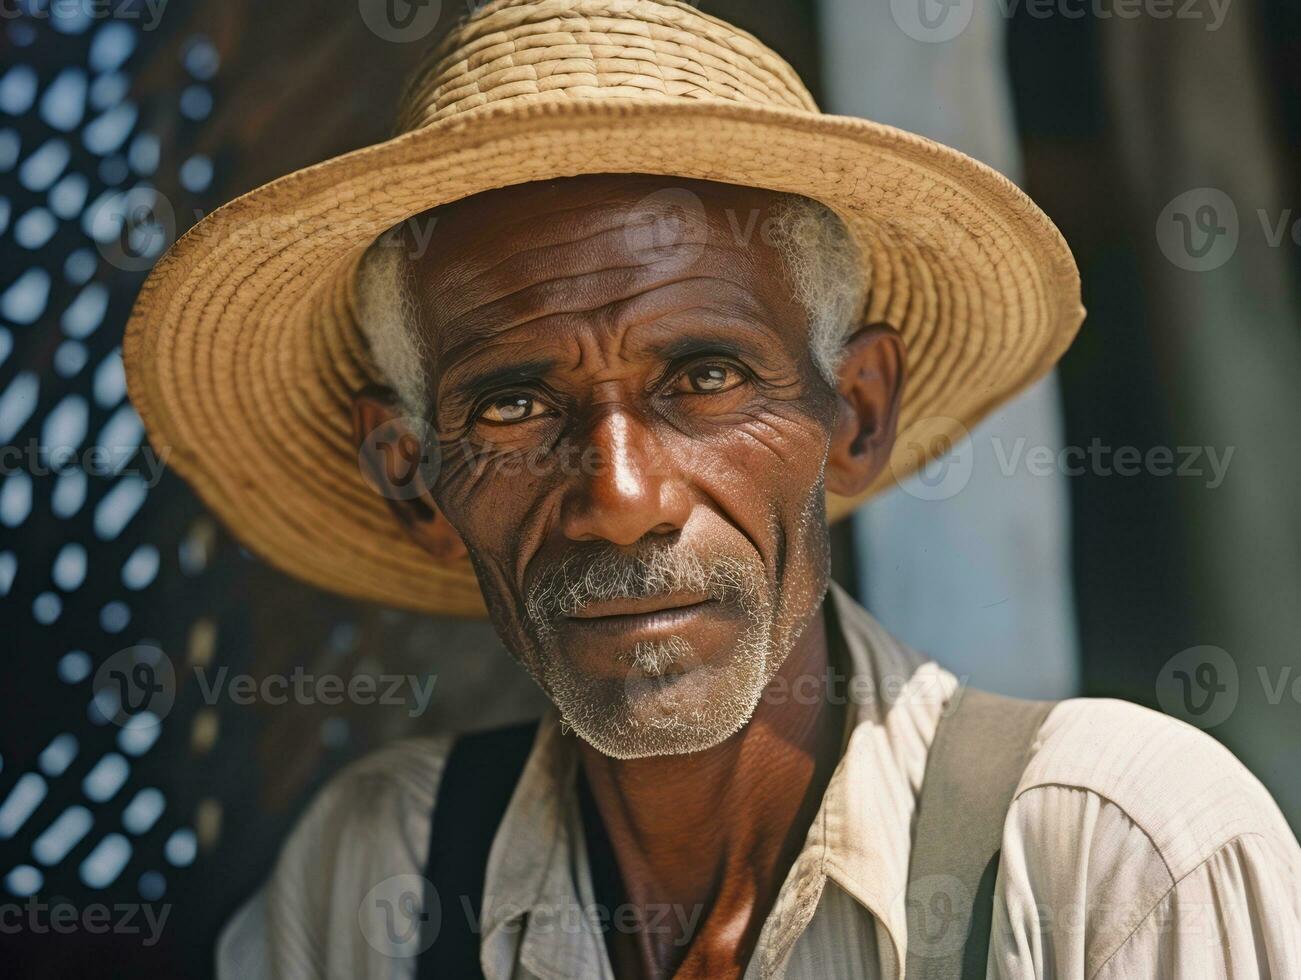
<point>243,354</point>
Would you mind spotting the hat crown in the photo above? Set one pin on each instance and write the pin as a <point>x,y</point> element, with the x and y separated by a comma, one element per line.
<point>552,50</point>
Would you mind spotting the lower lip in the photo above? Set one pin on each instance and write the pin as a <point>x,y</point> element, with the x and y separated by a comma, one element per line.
<point>659,621</point>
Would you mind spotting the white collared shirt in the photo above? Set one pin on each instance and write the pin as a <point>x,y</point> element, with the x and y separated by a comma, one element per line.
<point>1136,847</point>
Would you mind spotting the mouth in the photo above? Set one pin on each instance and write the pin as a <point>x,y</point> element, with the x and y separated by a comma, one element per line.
<point>651,615</point>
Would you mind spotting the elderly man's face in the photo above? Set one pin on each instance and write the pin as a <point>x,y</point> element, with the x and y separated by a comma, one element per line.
<point>635,441</point>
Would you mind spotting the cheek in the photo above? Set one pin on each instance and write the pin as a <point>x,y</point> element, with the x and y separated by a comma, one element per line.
<point>492,499</point>
<point>491,525</point>
<point>763,462</point>
<point>765,474</point>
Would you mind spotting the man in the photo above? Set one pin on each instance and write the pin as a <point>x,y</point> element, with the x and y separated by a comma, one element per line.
<point>643,317</point>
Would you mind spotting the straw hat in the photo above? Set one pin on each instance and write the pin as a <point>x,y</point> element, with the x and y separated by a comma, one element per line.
<point>242,353</point>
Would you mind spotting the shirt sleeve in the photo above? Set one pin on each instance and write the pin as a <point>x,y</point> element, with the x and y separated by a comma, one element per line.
<point>346,896</point>
<point>1142,849</point>
<point>1234,916</point>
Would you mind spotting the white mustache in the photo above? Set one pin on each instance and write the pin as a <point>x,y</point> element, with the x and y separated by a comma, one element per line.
<point>584,578</point>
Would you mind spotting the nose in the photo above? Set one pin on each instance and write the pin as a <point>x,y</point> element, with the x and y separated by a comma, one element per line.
<point>628,486</point>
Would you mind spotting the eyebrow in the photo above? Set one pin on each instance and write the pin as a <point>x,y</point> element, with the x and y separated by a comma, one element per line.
<point>508,374</point>
<point>684,347</point>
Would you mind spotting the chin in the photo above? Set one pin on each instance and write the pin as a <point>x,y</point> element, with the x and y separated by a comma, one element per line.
<point>668,701</point>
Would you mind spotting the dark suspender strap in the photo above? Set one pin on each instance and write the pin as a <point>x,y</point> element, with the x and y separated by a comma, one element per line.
<point>981,748</point>
<point>478,780</point>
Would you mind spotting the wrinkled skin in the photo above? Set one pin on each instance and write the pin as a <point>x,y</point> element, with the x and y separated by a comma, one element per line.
<point>613,371</point>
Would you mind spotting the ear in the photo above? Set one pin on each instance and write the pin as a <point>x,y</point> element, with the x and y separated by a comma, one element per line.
<point>867,412</point>
<point>398,456</point>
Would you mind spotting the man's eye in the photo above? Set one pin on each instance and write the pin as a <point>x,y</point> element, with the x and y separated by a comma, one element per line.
<point>708,379</point>
<point>512,408</point>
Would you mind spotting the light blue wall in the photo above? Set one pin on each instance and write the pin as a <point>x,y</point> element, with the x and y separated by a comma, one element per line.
<point>978,576</point>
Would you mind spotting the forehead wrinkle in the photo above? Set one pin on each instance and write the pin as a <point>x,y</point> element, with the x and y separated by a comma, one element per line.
<point>581,243</point>
<point>631,325</point>
<point>612,202</point>
<point>572,230</point>
<point>489,323</point>
<point>483,320</point>
<point>545,301</point>
<point>464,283</point>
<point>465,293</point>
<point>571,210</point>
<point>657,302</point>
<point>733,302</point>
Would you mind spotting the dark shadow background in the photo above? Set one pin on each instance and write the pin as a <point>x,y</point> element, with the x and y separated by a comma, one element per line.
<point>213,99</point>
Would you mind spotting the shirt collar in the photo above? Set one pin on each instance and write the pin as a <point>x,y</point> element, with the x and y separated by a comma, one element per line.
<point>537,886</point>
<point>538,883</point>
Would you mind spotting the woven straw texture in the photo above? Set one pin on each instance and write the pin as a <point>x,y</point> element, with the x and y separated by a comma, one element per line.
<point>243,354</point>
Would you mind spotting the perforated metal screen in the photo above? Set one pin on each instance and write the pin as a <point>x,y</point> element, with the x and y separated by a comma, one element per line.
<point>90,160</point>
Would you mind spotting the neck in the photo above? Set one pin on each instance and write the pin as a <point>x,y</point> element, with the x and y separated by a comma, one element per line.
<point>711,835</point>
